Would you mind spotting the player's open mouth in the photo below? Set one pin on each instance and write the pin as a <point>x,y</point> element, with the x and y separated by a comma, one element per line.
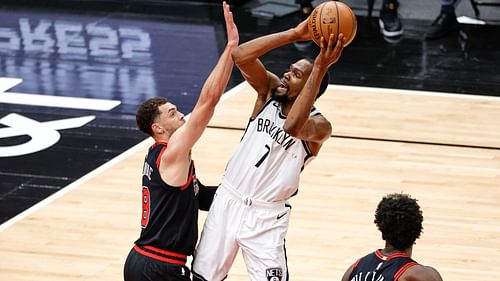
<point>283,85</point>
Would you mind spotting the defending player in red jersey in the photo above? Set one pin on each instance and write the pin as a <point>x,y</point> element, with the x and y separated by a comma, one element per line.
<point>399,218</point>
<point>171,194</point>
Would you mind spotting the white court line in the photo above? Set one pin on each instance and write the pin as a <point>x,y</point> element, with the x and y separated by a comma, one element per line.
<point>7,83</point>
<point>469,20</point>
<point>233,91</point>
<point>58,101</point>
<point>415,92</point>
<point>72,186</point>
<point>95,172</point>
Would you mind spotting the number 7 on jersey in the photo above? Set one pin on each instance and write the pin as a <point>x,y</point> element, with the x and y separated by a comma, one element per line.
<point>263,156</point>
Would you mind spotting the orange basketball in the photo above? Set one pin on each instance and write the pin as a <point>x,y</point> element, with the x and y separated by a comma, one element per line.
<point>332,17</point>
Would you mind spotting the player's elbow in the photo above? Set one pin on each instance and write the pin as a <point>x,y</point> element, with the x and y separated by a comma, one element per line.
<point>309,132</point>
<point>236,55</point>
<point>326,135</point>
<point>239,57</point>
<point>325,132</point>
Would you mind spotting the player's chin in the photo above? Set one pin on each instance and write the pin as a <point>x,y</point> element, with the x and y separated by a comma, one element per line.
<point>280,92</point>
<point>280,96</point>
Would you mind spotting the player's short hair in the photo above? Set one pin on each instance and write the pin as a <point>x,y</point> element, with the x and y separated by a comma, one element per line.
<point>399,218</point>
<point>324,82</point>
<point>147,113</point>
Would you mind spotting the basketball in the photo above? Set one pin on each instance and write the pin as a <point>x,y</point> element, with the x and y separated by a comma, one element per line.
<point>332,17</point>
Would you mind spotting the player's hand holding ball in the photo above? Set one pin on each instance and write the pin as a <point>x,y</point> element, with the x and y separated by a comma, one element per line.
<point>330,50</point>
<point>302,31</point>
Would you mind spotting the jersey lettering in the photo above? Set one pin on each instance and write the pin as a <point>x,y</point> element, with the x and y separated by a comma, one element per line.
<point>145,206</point>
<point>275,132</point>
<point>377,267</point>
<point>147,170</point>
<point>373,277</point>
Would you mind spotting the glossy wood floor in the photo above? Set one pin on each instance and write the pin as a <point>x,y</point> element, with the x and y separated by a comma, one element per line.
<point>442,149</point>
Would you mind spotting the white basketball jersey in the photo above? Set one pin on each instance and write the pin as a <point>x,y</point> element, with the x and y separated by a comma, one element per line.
<point>267,163</point>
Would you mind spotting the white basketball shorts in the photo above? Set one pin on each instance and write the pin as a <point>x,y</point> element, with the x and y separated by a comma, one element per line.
<point>258,228</point>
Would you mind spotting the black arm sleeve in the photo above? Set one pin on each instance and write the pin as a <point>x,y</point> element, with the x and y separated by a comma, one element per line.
<point>206,196</point>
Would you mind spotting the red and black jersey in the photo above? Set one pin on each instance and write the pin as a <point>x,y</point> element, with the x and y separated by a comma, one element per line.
<point>376,266</point>
<point>169,213</point>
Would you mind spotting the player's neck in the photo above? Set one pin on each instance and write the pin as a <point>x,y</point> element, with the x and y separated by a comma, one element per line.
<point>163,138</point>
<point>389,250</point>
<point>287,105</point>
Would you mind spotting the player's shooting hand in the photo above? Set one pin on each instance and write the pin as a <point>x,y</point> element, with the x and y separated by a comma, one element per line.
<point>233,36</point>
<point>330,52</point>
<point>302,31</point>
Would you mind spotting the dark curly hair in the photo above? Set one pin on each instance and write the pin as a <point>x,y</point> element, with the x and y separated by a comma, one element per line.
<point>399,218</point>
<point>147,113</point>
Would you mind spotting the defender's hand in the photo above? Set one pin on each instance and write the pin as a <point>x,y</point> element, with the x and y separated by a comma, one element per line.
<point>233,36</point>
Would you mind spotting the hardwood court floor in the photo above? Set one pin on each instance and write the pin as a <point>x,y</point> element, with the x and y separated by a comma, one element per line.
<point>442,149</point>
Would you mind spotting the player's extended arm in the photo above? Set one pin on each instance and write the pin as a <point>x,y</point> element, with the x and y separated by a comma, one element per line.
<point>298,123</point>
<point>246,56</point>
<point>213,88</point>
<point>177,157</point>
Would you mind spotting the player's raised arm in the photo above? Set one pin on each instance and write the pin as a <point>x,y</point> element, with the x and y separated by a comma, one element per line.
<point>299,123</point>
<point>246,56</point>
<point>186,136</point>
<point>211,91</point>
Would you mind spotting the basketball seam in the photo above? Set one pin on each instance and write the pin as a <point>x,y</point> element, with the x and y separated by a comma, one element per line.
<point>354,27</point>
<point>321,23</point>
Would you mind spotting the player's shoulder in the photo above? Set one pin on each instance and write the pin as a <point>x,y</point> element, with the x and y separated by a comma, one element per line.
<point>421,273</point>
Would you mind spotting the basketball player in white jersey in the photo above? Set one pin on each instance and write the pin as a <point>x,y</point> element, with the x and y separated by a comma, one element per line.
<point>285,131</point>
